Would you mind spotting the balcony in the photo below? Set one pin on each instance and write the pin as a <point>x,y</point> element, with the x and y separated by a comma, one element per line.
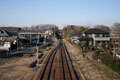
<point>102,38</point>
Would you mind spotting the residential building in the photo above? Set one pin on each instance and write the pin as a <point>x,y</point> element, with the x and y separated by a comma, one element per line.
<point>7,38</point>
<point>96,37</point>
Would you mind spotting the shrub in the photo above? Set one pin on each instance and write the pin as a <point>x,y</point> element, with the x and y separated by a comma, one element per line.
<point>111,61</point>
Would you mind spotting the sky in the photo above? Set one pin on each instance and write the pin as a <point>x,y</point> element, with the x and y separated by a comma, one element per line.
<point>59,12</point>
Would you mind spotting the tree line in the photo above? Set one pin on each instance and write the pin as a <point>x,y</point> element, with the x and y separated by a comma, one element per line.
<point>72,30</point>
<point>34,28</point>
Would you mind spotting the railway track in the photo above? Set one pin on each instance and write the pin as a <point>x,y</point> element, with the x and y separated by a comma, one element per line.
<point>57,66</point>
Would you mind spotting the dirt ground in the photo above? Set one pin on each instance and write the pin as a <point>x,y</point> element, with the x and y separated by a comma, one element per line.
<point>18,68</point>
<point>89,69</point>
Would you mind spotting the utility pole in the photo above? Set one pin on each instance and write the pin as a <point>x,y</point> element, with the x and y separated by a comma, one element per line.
<point>30,37</point>
<point>67,34</point>
<point>7,52</point>
<point>44,38</point>
<point>38,34</point>
<point>54,34</point>
<point>37,56</point>
<point>17,43</point>
<point>38,38</point>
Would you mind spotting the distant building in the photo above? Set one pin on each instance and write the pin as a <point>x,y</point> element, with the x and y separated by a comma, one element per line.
<point>49,32</point>
<point>33,37</point>
<point>96,37</point>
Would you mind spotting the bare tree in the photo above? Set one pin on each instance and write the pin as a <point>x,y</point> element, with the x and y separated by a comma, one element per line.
<point>40,28</point>
<point>72,30</point>
<point>106,28</point>
<point>116,31</point>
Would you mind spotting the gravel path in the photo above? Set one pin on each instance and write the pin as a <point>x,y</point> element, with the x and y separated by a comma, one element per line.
<point>84,65</point>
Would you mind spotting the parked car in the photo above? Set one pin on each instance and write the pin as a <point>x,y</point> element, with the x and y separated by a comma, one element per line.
<point>74,39</point>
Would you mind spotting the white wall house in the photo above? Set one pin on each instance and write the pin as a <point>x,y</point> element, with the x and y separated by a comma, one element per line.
<point>99,36</point>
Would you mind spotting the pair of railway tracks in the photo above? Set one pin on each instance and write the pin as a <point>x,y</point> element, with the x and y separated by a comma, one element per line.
<point>57,65</point>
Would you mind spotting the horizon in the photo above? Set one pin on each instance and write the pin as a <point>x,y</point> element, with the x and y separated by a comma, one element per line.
<point>23,13</point>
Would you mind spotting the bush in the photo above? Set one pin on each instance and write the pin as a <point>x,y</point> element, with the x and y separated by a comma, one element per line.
<point>112,62</point>
<point>96,56</point>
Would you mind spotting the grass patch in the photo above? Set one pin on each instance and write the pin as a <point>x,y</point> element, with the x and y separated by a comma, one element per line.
<point>111,69</point>
<point>112,62</point>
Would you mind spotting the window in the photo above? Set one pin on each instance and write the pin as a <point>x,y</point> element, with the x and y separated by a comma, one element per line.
<point>101,35</point>
<point>105,35</point>
<point>96,35</point>
<point>89,35</point>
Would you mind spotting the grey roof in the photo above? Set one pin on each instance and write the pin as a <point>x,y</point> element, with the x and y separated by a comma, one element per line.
<point>86,38</point>
<point>11,39</point>
<point>5,33</point>
<point>96,31</point>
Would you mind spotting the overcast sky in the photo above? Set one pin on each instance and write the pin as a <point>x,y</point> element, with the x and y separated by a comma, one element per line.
<point>59,12</point>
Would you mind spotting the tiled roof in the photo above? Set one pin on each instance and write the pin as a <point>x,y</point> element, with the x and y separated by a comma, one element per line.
<point>96,31</point>
<point>5,33</point>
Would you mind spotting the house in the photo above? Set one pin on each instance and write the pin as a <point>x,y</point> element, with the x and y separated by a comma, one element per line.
<point>96,37</point>
<point>49,31</point>
<point>7,39</point>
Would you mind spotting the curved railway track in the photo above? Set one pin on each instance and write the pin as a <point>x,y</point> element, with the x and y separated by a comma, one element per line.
<point>57,66</point>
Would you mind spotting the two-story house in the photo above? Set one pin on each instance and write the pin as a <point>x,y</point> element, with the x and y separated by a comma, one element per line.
<point>96,37</point>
